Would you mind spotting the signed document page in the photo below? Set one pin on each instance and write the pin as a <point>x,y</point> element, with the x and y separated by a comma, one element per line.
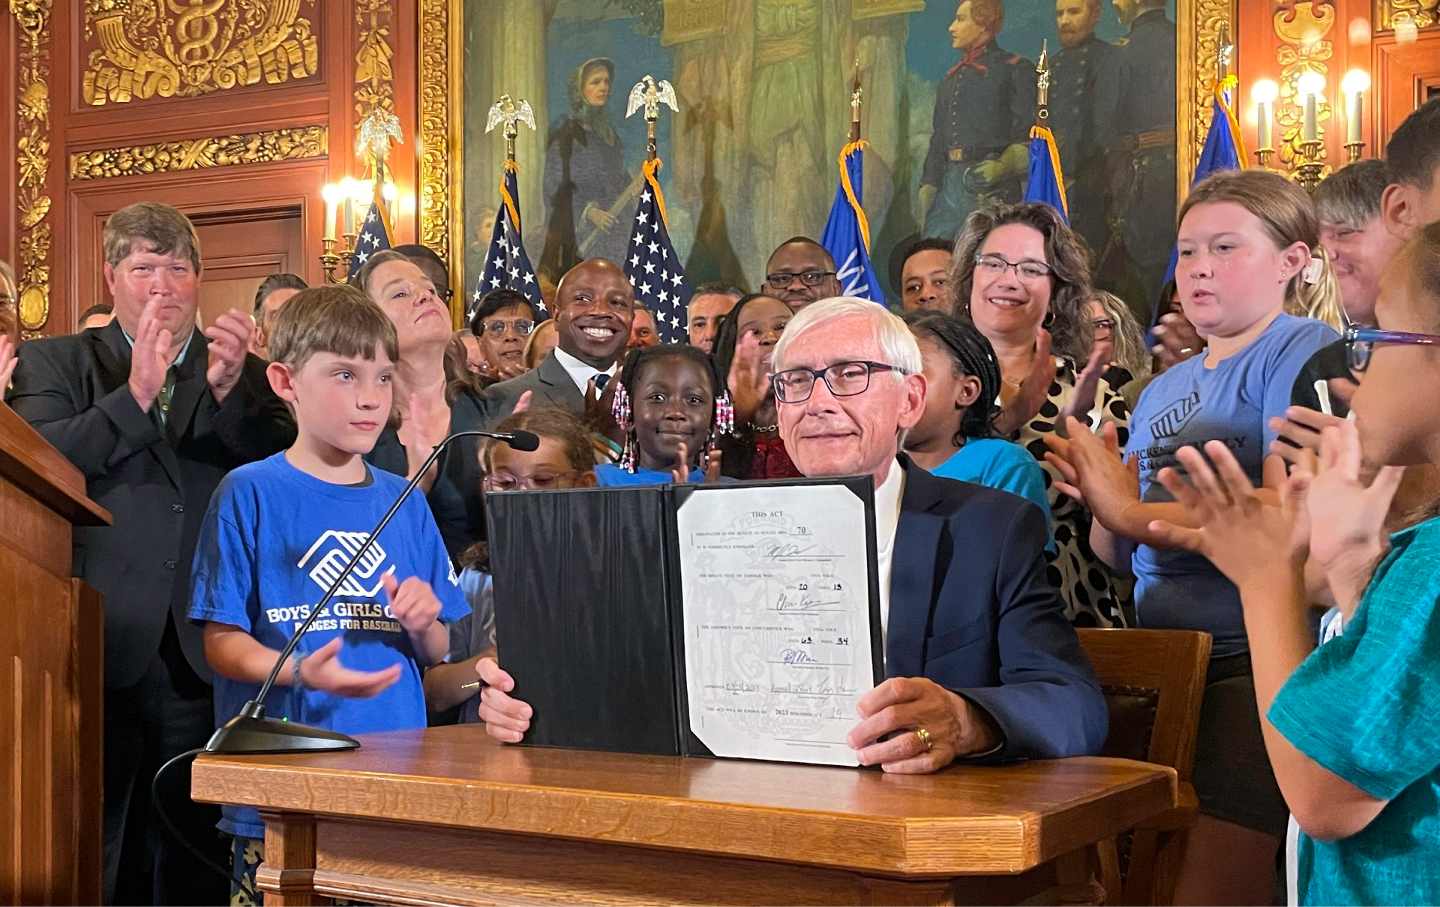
<point>778,617</point>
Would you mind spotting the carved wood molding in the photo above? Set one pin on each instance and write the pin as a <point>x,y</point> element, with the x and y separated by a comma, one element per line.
<point>1305,43</point>
<point>436,77</point>
<point>148,48</point>
<point>1198,41</point>
<point>374,57</point>
<point>1417,13</point>
<point>32,154</point>
<point>201,153</point>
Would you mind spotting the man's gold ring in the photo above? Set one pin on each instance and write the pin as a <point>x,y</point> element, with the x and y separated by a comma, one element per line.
<point>924,736</point>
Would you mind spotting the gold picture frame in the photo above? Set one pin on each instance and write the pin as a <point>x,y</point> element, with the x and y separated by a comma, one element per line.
<point>441,74</point>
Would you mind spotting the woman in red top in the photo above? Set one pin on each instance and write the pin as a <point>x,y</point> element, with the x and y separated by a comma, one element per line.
<point>743,346</point>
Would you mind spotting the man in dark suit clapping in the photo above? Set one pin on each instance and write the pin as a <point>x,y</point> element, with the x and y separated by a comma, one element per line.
<point>154,412</point>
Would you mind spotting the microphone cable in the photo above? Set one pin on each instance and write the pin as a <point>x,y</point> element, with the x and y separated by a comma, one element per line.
<point>181,840</point>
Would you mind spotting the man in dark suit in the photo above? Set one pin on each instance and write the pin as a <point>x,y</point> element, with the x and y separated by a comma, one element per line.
<point>980,660</point>
<point>154,416</point>
<point>594,307</point>
<point>1084,99</point>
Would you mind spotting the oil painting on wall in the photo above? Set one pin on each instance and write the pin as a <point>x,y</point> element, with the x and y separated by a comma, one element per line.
<point>764,89</point>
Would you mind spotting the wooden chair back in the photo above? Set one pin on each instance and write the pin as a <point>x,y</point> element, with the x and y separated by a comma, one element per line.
<point>1153,681</point>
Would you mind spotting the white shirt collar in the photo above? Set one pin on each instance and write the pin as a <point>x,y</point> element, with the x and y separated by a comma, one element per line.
<point>887,522</point>
<point>580,372</point>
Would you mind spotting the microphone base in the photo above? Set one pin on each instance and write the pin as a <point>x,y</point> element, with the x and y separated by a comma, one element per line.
<point>245,734</point>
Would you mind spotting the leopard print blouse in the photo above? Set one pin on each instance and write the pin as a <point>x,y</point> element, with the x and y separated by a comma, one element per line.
<point>1093,594</point>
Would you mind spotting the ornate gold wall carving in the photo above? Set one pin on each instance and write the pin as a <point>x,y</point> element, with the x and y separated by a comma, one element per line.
<point>1198,40</point>
<point>32,152</point>
<point>1422,13</point>
<point>202,153</point>
<point>434,133</point>
<point>1304,29</point>
<point>374,57</point>
<point>169,48</point>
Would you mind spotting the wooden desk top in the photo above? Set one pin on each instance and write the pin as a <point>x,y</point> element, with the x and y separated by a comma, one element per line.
<point>966,820</point>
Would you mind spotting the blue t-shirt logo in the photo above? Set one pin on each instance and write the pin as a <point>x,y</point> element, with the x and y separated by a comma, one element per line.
<point>1173,419</point>
<point>333,550</point>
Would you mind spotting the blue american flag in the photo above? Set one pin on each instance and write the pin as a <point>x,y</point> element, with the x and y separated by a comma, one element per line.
<point>652,265</point>
<point>373,237</point>
<point>506,262</point>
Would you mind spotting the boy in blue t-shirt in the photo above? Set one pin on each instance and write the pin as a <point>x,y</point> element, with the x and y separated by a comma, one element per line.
<point>278,532</point>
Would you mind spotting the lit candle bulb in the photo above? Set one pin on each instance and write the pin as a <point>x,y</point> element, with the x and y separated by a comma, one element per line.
<point>1263,94</point>
<point>1355,84</point>
<point>1311,86</point>
<point>332,194</point>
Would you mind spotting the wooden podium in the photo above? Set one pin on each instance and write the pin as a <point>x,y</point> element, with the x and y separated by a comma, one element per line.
<point>447,816</point>
<point>53,689</point>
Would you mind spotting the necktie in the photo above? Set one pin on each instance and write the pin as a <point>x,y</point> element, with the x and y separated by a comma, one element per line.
<point>601,378</point>
<point>162,399</point>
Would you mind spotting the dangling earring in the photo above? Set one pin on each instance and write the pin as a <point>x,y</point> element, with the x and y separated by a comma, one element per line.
<point>620,409</point>
<point>724,416</point>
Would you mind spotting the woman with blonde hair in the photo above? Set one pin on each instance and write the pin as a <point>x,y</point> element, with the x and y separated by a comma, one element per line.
<point>1021,278</point>
<point>1246,240</point>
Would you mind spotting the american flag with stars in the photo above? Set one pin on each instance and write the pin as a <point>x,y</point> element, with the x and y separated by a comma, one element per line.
<point>506,262</point>
<point>652,266</point>
<point>373,237</point>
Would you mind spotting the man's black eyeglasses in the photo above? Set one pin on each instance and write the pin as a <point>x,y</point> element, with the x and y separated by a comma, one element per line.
<point>844,379</point>
<point>809,278</point>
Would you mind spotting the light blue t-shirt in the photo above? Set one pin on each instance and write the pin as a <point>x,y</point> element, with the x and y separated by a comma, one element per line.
<point>609,474</point>
<point>273,540</point>
<point>997,463</point>
<point>1189,405</point>
<point>1363,706</point>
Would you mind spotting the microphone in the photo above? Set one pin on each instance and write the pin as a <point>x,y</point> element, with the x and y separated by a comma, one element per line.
<point>250,731</point>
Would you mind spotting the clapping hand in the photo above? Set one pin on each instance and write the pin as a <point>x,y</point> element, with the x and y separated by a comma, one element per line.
<point>1022,404</point>
<point>1093,470</point>
<point>599,410</point>
<point>1087,387</point>
<point>680,472</point>
<point>1346,510</point>
<point>149,357</point>
<point>229,344</point>
<point>7,362</point>
<point>1245,535</point>
<point>322,670</point>
<point>418,433</point>
<point>1175,340</point>
<point>413,603</point>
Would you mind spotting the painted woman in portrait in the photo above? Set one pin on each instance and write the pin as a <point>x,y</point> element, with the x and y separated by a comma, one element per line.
<point>585,175</point>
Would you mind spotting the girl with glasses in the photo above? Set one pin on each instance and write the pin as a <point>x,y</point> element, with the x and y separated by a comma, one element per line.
<point>1349,728</point>
<point>1021,277</point>
<point>564,459</point>
<point>1245,242</point>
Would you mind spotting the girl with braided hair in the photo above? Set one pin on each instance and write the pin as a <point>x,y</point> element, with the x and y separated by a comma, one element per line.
<point>956,436</point>
<point>672,406</point>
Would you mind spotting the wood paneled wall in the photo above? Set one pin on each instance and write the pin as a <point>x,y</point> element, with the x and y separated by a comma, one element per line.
<point>221,116</point>
<point>1396,41</point>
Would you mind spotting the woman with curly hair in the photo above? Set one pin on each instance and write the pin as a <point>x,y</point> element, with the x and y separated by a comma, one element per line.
<point>1021,277</point>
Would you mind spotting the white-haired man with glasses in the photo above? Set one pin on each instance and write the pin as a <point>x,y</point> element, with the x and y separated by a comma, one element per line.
<point>980,660</point>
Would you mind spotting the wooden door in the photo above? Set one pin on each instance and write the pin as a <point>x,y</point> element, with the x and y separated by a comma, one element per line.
<point>240,250</point>
<point>1407,74</point>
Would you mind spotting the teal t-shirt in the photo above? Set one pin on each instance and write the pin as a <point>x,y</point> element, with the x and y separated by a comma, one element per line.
<point>997,463</point>
<point>1364,707</point>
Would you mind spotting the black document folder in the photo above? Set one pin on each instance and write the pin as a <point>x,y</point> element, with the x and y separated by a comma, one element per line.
<point>589,612</point>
